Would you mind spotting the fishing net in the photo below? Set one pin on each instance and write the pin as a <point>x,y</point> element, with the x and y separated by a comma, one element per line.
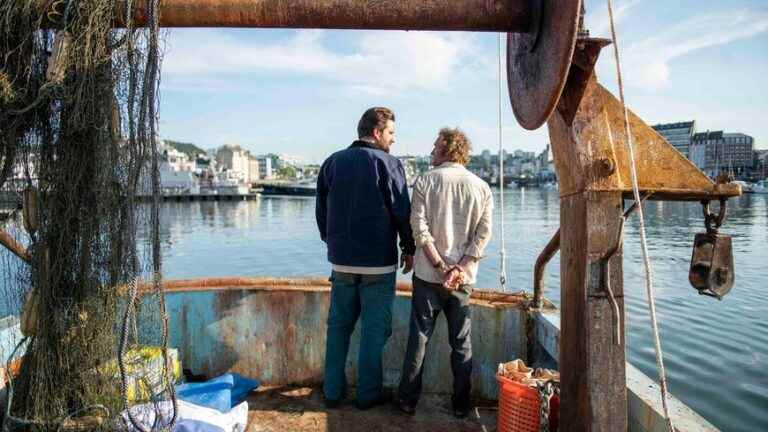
<point>78,104</point>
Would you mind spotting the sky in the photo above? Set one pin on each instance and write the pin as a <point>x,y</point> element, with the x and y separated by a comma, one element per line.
<point>301,92</point>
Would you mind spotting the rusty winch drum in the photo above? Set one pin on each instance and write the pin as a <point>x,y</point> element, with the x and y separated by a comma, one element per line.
<point>712,271</point>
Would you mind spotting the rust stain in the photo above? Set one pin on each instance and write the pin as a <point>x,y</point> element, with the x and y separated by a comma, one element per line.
<point>538,60</point>
<point>313,284</point>
<point>591,152</point>
<point>467,15</point>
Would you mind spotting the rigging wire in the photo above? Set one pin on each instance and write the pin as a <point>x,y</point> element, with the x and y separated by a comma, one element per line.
<point>643,240</point>
<point>503,251</point>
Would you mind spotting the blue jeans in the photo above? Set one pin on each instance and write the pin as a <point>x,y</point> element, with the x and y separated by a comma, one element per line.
<point>371,298</point>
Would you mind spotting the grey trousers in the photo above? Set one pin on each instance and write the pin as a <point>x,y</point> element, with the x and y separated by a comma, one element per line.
<point>426,303</point>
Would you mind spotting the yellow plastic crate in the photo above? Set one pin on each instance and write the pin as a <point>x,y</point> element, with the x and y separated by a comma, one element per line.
<point>144,368</point>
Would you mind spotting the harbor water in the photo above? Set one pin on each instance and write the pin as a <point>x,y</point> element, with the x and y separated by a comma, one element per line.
<point>715,352</point>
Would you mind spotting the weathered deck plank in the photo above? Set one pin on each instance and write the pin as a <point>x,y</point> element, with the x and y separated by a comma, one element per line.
<point>301,409</point>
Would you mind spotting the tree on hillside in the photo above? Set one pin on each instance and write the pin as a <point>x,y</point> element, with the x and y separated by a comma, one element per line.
<point>287,172</point>
<point>189,149</point>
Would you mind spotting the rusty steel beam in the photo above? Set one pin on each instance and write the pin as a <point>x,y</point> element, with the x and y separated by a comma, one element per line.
<point>594,156</point>
<point>541,263</point>
<point>466,15</point>
<point>593,376</point>
<point>12,245</point>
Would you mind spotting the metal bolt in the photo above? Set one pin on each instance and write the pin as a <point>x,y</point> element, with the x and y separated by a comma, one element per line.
<point>606,167</point>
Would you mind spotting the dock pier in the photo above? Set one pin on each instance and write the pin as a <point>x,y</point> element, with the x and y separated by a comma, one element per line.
<point>203,197</point>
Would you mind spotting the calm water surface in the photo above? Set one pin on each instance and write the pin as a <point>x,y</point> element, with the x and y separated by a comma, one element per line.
<point>716,353</point>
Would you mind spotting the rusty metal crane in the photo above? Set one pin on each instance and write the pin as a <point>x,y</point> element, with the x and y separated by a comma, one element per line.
<point>551,79</point>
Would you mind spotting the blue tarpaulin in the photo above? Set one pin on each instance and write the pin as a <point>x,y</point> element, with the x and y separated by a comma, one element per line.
<point>221,393</point>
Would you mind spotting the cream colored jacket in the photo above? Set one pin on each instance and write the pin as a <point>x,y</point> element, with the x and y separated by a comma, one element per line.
<point>452,208</point>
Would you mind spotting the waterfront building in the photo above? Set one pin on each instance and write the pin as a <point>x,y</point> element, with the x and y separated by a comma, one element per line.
<point>265,167</point>
<point>680,135</point>
<point>524,155</point>
<point>718,152</point>
<point>253,169</point>
<point>240,162</point>
<point>284,160</point>
<point>177,161</point>
<point>177,174</point>
<point>545,170</point>
<point>233,158</point>
<point>481,165</point>
<point>414,166</point>
<point>760,167</point>
<point>486,155</point>
<point>177,182</point>
<point>517,164</point>
<point>307,171</point>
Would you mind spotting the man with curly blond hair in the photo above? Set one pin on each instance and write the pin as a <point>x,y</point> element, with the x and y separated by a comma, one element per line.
<point>451,223</point>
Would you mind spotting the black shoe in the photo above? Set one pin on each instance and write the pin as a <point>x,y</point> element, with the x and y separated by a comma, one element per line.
<point>405,407</point>
<point>383,398</point>
<point>332,403</point>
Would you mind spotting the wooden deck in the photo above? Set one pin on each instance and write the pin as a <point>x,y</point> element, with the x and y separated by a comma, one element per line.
<point>301,409</point>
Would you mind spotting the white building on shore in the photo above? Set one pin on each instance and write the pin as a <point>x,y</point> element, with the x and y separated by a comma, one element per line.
<point>239,162</point>
<point>178,161</point>
<point>265,167</point>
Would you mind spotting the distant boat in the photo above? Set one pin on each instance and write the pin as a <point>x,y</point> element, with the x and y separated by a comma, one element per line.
<point>302,188</point>
<point>549,186</point>
<point>493,180</point>
<point>760,187</point>
<point>745,187</point>
<point>525,181</point>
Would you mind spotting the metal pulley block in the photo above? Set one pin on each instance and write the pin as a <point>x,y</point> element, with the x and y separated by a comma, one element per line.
<point>712,271</point>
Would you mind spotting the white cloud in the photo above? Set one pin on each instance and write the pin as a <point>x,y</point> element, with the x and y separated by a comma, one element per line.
<point>598,21</point>
<point>645,62</point>
<point>379,62</point>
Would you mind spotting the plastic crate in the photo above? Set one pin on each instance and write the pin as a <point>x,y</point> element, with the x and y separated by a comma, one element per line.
<point>519,408</point>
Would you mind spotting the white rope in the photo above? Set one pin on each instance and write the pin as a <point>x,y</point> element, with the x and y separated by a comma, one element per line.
<point>503,251</point>
<point>643,241</point>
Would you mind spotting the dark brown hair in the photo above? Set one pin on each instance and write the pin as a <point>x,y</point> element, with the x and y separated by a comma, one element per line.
<point>457,145</point>
<point>374,118</point>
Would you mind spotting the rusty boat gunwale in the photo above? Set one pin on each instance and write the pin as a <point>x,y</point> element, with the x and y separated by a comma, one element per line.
<point>535,336</point>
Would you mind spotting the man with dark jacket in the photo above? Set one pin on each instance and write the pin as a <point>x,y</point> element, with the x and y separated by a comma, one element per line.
<point>362,206</point>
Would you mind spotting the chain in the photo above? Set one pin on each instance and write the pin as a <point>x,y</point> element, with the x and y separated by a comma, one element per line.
<point>711,218</point>
<point>546,391</point>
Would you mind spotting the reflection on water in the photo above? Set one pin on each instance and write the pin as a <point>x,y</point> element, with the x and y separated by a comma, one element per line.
<point>716,353</point>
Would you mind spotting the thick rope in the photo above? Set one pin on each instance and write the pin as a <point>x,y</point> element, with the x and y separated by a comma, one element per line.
<point>153,64</point>
<point>148,111</point>
<point>643,240</point>
<point>503,251</point>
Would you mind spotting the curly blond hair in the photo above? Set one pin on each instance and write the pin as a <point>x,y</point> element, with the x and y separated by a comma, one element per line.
<point>457,145</point>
